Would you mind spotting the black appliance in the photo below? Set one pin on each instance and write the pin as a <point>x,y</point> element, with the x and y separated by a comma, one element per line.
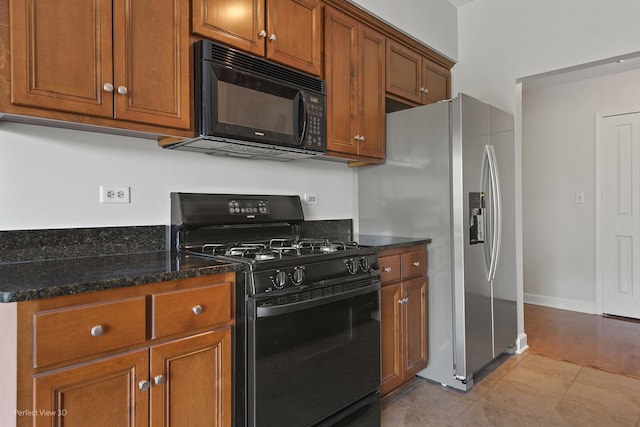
<point>307,334</point>
<point>249,107</point>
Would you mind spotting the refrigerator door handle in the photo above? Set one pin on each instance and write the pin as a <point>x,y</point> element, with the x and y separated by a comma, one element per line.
<point>496,200</point>
<point>487,185</point>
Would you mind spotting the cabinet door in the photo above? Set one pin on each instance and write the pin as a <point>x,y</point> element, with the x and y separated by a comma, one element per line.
<point>234,22</point>
<point>415,325</point>
<point>61,55</point>
<point>435,80</point>
<point>371,106</point>
<point>294,34</point>
<point>104,393</point>
<point>403,77</point>
<point>341,59</point>
<point>192,381</point>
<point>151,61</point>
<point>390,337</point>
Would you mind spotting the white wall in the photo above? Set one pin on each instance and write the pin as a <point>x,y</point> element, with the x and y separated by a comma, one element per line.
<point>433,22</point>
<point>503,40</point>
<point>559,150</point>
<point>50,178</point>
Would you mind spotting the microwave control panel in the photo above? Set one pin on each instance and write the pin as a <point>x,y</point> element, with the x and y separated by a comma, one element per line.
<point>316,122</point>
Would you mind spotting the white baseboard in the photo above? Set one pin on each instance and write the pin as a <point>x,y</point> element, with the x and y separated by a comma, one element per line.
<point>561,303</point>
<point>521,343</point>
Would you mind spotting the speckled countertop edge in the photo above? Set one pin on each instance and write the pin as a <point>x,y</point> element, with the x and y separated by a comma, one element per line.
<point>45,279</point>
<point>382,243</point>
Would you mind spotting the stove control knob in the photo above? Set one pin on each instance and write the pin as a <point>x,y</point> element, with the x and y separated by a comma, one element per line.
<point>364,264</point>
<point>298,276</point>
<point>352,266</point>
<point>279,280</point>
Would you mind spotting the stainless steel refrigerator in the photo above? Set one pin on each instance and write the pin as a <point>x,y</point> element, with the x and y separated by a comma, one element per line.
<point>449,176</point>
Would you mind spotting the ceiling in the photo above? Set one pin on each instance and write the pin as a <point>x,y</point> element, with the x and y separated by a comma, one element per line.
<point>458,3</point>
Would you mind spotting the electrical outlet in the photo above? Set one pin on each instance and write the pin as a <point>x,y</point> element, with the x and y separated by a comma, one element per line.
<point>310,199</point>
<point>113,194</point>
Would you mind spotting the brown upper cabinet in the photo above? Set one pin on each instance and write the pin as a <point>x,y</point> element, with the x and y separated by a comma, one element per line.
<point>354,71</point>
<point>415,78</point>
<point>111,59</point>
<point>285,31</point>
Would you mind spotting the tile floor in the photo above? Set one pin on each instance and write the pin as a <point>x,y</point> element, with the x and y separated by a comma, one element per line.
<point>525,390</point>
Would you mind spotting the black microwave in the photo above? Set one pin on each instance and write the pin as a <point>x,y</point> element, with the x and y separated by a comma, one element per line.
<point>246,106</point>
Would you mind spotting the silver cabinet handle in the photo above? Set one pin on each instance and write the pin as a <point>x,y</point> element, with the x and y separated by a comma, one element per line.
<point>403,301</point>
<point>122,90</point>
<point>424,90</point>
<point>159,380</point>
<point>262,34</point>
<point>387,269</point>
<point>197,309</point>
<point>362,138</point>
<point>144,385</point>
<point>416,263</point>
<point>97,330</point>
<point>108,87</point>
<point>272,38</point>
<point>357,137</point>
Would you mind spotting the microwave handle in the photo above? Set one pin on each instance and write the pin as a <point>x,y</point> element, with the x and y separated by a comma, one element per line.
<point>302,125</point>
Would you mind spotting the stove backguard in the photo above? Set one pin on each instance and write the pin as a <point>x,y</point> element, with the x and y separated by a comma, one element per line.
<point>198,219</point>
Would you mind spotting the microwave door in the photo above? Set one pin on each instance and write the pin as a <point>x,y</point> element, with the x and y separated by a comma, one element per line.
<point>302,118</point>
<point>254,108</point>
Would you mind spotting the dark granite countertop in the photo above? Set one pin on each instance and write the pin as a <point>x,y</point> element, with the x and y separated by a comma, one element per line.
<point>20,281</point>
<point>389,242</point>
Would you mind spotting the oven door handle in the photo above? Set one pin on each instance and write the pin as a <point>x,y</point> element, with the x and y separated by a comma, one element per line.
<point>297,306</point>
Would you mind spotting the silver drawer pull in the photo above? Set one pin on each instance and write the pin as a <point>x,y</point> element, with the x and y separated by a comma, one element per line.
<point>144,385</point>
<point>97,330</point>
<point>417,263</point>
<point>387,269</point>
<point>158,380</point>
<point>197,309</point>
<point>403,301</point>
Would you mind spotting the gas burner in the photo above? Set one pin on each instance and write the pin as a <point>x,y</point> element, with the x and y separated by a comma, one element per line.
<point>245,250</point>
<point>264,256</point>
<point>214,248</point>
<point>326,246</point>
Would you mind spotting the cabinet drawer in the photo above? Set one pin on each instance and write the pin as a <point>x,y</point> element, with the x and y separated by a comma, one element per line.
<point>414,263</point>
<point>68,333</point>
<point>190,309</point>
<point>389,268</point>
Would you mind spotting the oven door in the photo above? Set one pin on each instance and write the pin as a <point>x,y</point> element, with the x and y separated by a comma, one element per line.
<point>310,359</point>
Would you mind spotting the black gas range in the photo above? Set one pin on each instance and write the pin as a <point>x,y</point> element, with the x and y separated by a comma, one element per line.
<point>263,232</point>
<point>307,335</point>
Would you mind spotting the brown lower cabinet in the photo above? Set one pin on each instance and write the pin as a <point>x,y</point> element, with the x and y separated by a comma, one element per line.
<point>130,376</point>
<point>404,329</point>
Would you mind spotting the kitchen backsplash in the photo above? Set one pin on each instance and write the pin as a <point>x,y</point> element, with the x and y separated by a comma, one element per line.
<point>48,244</point>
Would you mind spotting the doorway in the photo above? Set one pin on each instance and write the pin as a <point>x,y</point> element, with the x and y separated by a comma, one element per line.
<point>618,212</point>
